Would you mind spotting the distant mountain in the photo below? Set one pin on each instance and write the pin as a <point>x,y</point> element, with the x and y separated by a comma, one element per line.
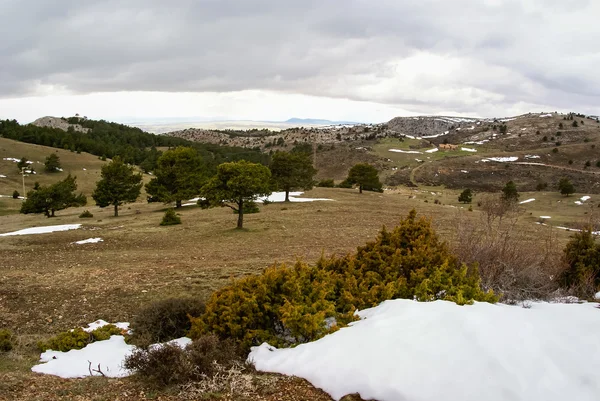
<point>316,121</point>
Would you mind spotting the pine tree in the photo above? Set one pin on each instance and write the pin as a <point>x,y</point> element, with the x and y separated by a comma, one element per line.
<point>510,193</point>
<point>118,185</point>
<point>466,196</point>
<point>365,176</point>
<point>566,187</point>
<point>52,163</point>
<point>292,170</point>
<point>179,175</point>
<point>235,184</point>
<point>58,196</point>
<point>21,164</point>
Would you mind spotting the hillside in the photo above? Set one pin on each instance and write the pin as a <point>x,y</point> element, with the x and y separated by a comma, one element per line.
<point>545,145</point>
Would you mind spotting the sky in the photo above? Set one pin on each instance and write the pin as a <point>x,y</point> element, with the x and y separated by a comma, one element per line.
<point>352,60</point>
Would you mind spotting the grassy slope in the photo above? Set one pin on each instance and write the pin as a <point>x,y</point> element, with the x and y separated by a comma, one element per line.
<point>71,162</point>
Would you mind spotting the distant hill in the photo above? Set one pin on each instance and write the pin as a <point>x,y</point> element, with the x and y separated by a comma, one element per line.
<point>316,121</point>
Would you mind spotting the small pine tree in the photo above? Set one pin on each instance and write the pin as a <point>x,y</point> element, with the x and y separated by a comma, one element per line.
<point>510,193</point>
<point>16,194</point>
<point>365,176</point>
<point>86,215</point>
<point>52,163</point>
<point>170,218</point>
<point>21,164</point>
<point>588,164</point>
<point>566,187</point>
<point>466,196</point>
<point>575,124</point>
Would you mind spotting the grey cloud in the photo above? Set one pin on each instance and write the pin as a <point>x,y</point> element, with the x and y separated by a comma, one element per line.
<point>538,53</point>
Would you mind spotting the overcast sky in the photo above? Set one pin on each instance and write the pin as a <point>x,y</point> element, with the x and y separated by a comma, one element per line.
<point>360,60</point>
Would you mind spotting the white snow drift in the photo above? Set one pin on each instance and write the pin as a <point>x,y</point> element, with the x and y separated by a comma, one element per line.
<point>526,201</point>
<point>501,159</point>
<point>43,230</point>
<point>432,351</point>
<point>405,151</point>
<point>107,355</point>
<point>468,149</point>
<point>89,241</point>
<point>280,197</point>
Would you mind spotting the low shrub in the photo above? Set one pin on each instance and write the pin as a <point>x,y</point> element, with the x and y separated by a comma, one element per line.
<point>582,256</point>
<point>326,183</point>
<point>286,306</point>
<point>79,338</point>
<point>164,320</point>
<point>169,364</point>
<point>170,218</point>
<point>6,343</point>
<point>344,184</point>
<point>16,194</point>
<point>86,215</point>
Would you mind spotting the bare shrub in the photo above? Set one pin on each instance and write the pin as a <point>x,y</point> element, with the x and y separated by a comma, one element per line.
<point>169,364</point>
<point>512,262</point>
<point>164,320</point>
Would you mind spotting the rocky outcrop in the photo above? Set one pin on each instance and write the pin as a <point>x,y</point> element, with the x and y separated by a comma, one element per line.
<point>57,122</point>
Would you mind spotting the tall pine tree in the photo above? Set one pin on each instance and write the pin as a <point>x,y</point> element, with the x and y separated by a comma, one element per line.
<point>118,185</point>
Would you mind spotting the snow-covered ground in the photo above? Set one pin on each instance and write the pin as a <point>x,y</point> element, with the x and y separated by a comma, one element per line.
<point>582,200</point>
<point>545,217</point>
<point>501,159</point>
<point>432,351</point>
<point>14,159</point>
<point>43,230</point>
<point>526,201</point>
<point>280,197</point>
<point>468,150</point>
<point>2,176</point>
<point>88,241</point>
<point>545,115</point>
<point>404,151</point>
<point>109,355</point>
<point>432,150</point>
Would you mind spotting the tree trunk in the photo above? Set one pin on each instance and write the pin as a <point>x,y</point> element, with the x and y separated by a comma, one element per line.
<point>178,203</point>
<point>287,195</point>
<point>116,210</point>
<point>52,215</point>
<point>240,223</point>
<point>360,189</point>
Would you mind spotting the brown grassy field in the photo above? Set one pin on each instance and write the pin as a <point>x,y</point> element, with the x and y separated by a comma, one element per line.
<point>48,284</point>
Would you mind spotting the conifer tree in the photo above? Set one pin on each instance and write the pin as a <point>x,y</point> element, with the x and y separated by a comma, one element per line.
<point>292,170</point>
<point>566,187</point>
<point>235,184</point>
<point>510,193</point>
<point>118,185</point>
<point>52,163</point>
<point>365,176</point>
<point>50,199</point>
<point>466,196</point>
<point>179,175</point>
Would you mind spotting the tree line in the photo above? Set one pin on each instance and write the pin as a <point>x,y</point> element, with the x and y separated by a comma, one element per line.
<point>182,173</point>
<point>133,145</point>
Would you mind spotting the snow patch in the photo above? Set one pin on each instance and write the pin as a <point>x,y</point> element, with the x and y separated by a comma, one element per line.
<point>43,230</point>
<point>407,350</point>
<point>108,355</point>
<point>405,151</point>
<point>432,150</point>
<point>502,159</point>
<point>12,159</point>
<point>532,157</point>
<point>88,241</point>
<point>2,176</point>
<point>545,217</point>
<point>280,197</point>
<point>527,201</point>
<point>545,115</point>
<point>464,171</point>
<point>101,323</point>
<point>468,149</point>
